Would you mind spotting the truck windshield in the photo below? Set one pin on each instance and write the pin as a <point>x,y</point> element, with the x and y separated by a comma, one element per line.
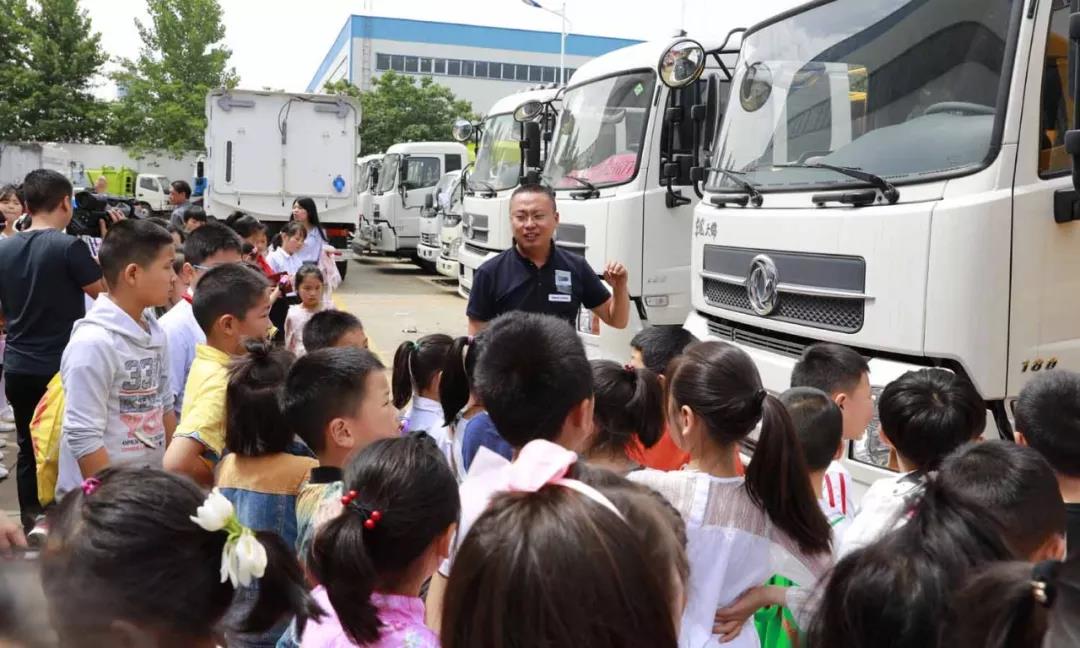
<point>388,173</point>
<point>601,131</point>
<point>903,90</point>
<point>498,162</point>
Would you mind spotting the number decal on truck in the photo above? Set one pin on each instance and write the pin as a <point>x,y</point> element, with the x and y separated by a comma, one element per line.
<point>1038,365</point>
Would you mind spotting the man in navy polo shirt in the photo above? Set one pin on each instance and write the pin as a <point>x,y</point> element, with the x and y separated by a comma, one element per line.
<point>537,276</point>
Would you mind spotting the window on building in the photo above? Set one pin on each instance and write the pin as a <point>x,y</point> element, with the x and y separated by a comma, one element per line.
<point>508,71</point>
<point>425,66</point>
<point>397,63</point>
<point>440,66</point>
<point>549,74</point>
<point>453,67</point>
<point>536,73</point>
<point>410,64</point>
<point>468,68</point>
<point>522,72</point>
<point>482,69</point>
<point>382,61</point>
<point>494,70</point>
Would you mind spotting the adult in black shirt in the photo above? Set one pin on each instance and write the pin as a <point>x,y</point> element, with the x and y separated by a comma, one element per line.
<point>45,275</point>
<point>537,276</point>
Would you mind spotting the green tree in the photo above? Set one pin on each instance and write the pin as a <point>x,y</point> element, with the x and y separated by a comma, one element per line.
<point>48,59</point>
<point>163,92</point>
<point>401,108</point>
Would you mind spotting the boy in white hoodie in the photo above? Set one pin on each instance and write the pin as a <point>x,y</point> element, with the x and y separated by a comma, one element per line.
<point>115,370</point>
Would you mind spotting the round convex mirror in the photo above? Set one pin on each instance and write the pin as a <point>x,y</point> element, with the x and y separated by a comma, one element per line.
<point>528,111</point>
<point>682,63</point>
<point>462,130</point>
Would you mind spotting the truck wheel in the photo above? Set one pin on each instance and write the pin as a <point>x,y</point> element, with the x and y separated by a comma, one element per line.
<point>142,210</point>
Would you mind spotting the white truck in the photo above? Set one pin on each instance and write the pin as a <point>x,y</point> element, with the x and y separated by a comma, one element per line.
<point>367,178</point>
<point>447,192</point>
<point>408,173</point>
<point>894,177</point>
<point>496,174</point>
<point>266,149</point>
<point>447,263</point>
<point>620,166</point>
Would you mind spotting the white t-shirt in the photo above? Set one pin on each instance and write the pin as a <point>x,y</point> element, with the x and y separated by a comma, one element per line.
<point>836,501</point>
<point>313,247</point>
<point>281,261</point>
<point>481,484</point>
<point>884,508</point>
<point>184,334</point>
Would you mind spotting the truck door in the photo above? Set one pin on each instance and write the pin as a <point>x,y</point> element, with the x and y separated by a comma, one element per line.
<point>1044,330</point>
<point>422,173</point>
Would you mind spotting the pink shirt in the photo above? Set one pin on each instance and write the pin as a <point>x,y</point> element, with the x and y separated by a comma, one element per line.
<point>402,618</point>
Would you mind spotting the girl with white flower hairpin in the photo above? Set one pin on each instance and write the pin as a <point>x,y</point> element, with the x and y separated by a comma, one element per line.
<point>141,557</point>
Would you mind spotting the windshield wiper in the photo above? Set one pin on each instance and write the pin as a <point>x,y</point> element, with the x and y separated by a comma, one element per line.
<point>887,189</point>
<point>752,195</point>
<point>590,192</point>
<point>489,191</point>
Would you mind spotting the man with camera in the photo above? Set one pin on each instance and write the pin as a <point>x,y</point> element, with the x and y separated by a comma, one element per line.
<point>46,275</point>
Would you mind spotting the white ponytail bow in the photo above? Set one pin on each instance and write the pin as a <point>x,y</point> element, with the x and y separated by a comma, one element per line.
<point>243,559</point>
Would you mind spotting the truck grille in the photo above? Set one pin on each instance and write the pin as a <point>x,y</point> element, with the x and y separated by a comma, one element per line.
<point>727,332</point>
<point>844,315</point>
<point>431,240</point>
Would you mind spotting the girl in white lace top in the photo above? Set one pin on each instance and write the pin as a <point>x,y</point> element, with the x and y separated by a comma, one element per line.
<point>740,531</point>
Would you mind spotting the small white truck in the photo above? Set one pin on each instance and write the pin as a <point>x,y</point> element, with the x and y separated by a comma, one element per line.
<point>446,192</point>
<point>447,263</point>
<point>407,175</point>
<point>266,149</point>
<point>895,177</point>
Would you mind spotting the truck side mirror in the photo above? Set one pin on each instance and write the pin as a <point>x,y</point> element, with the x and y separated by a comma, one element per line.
<point>429,201</point>
<point>712,110</point>
<point>199,170</point>
<point>1072,137</point>
<point>530,145</point>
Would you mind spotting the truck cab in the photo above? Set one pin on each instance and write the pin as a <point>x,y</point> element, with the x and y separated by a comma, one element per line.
<point>619,164</point>
<point>431,217</point>
<point>495,176</point>
<point>367,178</point>
<point>447,263</point>
<point>407,175</point>
<point>894,177</point>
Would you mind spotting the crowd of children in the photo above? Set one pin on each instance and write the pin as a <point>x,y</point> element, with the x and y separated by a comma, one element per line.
<point>214,487</point>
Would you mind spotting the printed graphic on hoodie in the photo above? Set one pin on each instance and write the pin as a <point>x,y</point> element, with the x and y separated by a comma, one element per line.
<point>116,384</point>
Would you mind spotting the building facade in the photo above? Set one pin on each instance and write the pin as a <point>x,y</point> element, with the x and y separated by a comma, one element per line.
<point>479,64</point>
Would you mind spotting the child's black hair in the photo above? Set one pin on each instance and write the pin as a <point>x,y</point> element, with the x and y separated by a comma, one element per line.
<point>928,413</point>
<point>659,345</point>
<point>254,425</point>
<point>628,403</point>
<point>533,371</point>
<point>322,386</point>
<point>1014,483</point>
<point>308,270</point>
<point>131,241</point>
<point>819,424</point>
<point>456,383</point>
<point>416,364</point>
<point>918,567</point>
<point>230,289</point>
<point>195,213</point>
<point>291,229</point>
<point>829,367</point>
<point>720,383</point>
<point>207,241</point>
<point>129,551</point>
<point>327,327</point>
<point>1048,415</point>
<point>408,482</point>
<point>1018,605</point>
<point>245,225</point>
<point>173,229</point>
<point>43,190</point>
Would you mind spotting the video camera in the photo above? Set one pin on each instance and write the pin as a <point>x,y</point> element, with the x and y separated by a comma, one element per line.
<point>91,208</point>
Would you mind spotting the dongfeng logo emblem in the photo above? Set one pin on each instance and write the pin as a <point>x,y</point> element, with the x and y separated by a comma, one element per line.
<point>761,285</point>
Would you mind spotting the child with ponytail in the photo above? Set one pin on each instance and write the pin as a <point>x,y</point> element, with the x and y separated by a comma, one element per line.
<point>468,424</point>
<point>136,557</point>
<point>417,370</point>
<point>628,413</point>
<point>399,509</point>
<point>741,530</point>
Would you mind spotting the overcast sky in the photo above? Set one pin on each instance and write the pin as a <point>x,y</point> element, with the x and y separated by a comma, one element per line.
<point>280,43</point>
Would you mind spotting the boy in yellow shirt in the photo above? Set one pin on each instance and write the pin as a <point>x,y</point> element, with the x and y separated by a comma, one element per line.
<point>232,305</point>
